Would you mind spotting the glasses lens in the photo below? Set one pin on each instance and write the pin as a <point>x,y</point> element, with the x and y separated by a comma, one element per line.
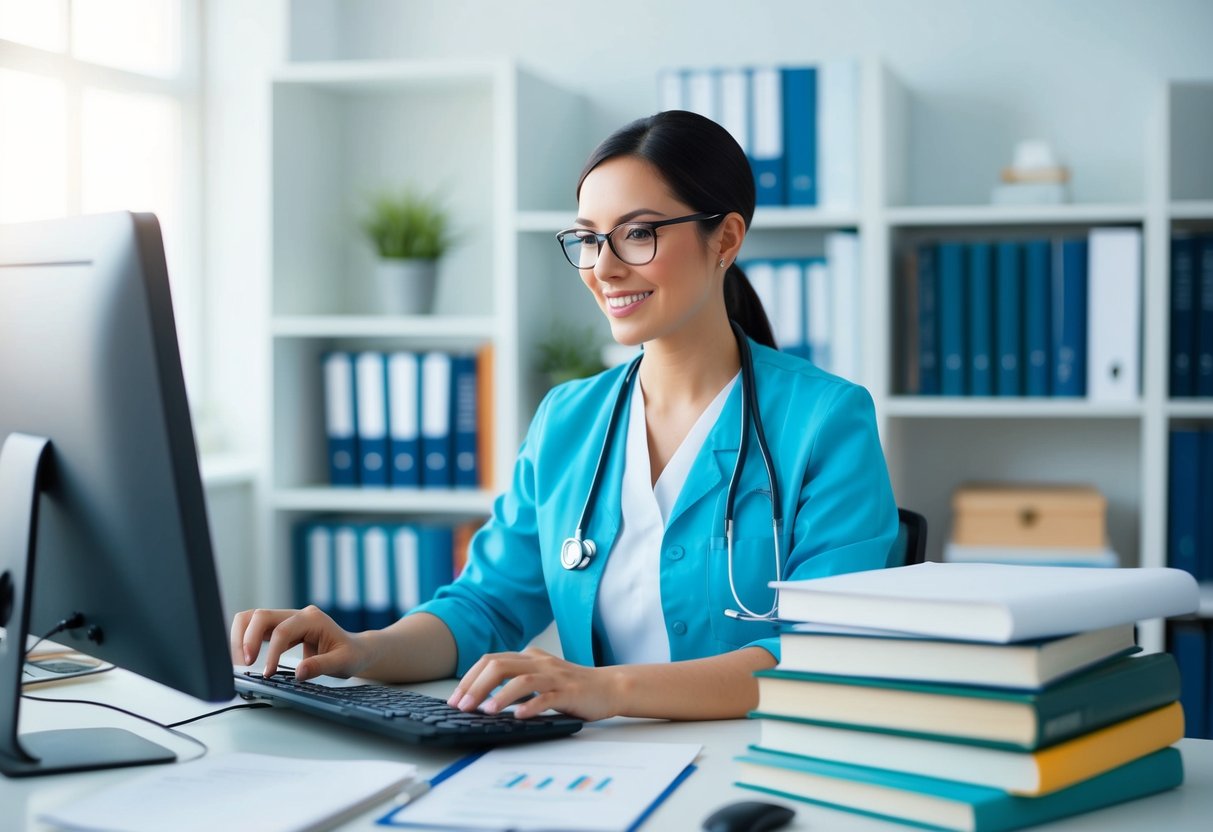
<point>634,243</point>
<point>581,248</point>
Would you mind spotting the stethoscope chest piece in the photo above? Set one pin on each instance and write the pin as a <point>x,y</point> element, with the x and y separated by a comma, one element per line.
<point>576,553</point>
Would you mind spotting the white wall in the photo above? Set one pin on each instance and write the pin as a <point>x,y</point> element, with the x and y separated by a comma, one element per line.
<point>1082,73</point>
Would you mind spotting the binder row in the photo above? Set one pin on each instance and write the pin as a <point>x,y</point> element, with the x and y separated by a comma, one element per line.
<point>813,303</point>
<point>403,419</point>
<point>799,126</point>
<point>1043,317</point>
<point>1190,501</point>
<point>1191,315</point>
<point>1190,641</point>
<point>367,575</point>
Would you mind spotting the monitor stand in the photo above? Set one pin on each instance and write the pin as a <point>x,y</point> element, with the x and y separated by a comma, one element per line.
<point>46,752</point>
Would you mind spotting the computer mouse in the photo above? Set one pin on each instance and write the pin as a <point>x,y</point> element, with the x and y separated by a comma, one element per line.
<point>748,816</point>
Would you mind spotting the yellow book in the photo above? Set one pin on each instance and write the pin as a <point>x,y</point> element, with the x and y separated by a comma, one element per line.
<point>1023,773</point>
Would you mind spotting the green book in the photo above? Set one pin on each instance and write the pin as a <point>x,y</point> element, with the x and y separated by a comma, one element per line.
<point>943,804</point>
<point>1019,719</point>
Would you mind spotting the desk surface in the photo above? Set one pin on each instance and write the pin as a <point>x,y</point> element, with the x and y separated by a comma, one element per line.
<point>281,731</point>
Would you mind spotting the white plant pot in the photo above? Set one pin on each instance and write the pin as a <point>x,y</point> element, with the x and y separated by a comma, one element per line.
<point>406,287</point>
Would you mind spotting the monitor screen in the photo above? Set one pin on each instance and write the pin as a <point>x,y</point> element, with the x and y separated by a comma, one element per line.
<point>89,361</point>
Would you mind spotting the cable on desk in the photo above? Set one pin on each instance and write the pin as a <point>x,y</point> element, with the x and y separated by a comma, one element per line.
<point>220,711</point>
<point>74,620</point>
<point>147,719</point>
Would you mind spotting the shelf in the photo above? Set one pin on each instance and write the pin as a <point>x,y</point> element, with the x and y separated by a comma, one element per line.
<point>544,221</point>
<point>472,328</point>
<point>1190,409</point>
<point>375,76</point>
<point>929,407</point>
<point>456,502</point>
<point>1076,214</point>
<point>225,469</point>
<point>1192,210</point>
<point>764,218</point>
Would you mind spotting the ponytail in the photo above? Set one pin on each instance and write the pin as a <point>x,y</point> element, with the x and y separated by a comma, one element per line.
<point>745,307</point>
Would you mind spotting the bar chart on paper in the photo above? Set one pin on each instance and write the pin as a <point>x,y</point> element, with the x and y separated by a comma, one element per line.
<point>570,784</point>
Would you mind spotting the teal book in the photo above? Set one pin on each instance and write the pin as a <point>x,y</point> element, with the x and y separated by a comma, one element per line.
<point>995,717</point>
<point>942,804</point>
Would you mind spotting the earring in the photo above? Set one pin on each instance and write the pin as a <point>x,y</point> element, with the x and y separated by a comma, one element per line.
<point>722,262</point>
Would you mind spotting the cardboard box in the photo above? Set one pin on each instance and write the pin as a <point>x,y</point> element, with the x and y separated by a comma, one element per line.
<point>1004,514</point>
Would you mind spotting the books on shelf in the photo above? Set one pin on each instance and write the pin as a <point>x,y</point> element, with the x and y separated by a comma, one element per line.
<point>1100,557</point>
<point>1190,640</point>
<point>813,303</point>
<point>973,714</point>
<point>367,575</point>
<point>943,804</point>
<point>799,125</point>
<point>1190,501</point>
<point>1037,317</point>
<point>1191,352</point>
<point>989,602</point>
<point>850,651</point>
<point>404,419</point>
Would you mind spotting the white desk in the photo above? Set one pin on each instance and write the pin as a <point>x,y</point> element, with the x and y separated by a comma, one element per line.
<point>280,731</point>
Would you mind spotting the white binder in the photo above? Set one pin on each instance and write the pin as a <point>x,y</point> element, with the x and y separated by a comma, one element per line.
<point>1114,315</point>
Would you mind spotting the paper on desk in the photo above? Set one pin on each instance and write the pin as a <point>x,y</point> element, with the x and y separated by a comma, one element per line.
<point>238,791</point>
<point>573,784</point>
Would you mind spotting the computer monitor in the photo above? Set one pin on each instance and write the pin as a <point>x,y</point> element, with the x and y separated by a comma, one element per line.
<point>102,511</point>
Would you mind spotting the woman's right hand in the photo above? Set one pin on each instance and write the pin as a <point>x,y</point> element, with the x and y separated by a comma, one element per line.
<point>328,650</point>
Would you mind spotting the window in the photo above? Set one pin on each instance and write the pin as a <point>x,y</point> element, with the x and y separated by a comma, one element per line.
<point>99,104</point>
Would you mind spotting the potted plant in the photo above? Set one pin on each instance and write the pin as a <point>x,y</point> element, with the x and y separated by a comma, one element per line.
<point>567,353</point>
<point>410,231</point>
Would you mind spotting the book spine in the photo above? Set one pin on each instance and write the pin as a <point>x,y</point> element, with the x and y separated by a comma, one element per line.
<point>1037,318</point>
<point>1183,317</point>
<point>952,335</point>
<point>1009,329</point>
<point>928,322</point>
<point>981,321</point>
<point>1070,318</point>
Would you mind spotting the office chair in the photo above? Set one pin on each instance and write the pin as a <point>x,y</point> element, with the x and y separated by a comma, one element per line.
<point>910,545</point>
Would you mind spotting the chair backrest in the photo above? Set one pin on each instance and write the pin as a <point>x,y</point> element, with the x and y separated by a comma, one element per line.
<point>910,546</point>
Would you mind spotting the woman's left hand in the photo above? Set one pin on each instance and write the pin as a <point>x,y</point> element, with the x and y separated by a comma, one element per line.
<point>587,693</point>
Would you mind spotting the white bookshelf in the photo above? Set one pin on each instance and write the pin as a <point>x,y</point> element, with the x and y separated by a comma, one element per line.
<point>511,168</point>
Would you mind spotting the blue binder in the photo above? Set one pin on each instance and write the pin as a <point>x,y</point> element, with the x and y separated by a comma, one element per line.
<point>1008,276</point>
<point>952,309</point>
<point>766,135</point>
<point>1204,317</point>
<point>314,566</point>
<point>436,392</point>
<point>371,386</point>
<point>1037,318</point>
<point>348,591</point>
<point>340,417</point>
<point>1183,316</point>
<point>981,321</point>
<point>406,582</point>
<point>1204,531</point>
<point>465,430</point>
<point>404,422</point>
<point>435,559</point>
<point>1191,650</point>
<point>1070,318</point>
<point>1183,544</point>
<point>928,322</point>
<point>800,134</point>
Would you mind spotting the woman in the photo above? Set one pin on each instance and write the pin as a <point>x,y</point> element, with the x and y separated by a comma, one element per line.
<point>664,205</point>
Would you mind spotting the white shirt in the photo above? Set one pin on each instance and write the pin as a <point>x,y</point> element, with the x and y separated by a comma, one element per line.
<point>629,595</point>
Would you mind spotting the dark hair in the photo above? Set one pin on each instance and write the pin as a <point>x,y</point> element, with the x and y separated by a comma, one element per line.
<point>705,168</point>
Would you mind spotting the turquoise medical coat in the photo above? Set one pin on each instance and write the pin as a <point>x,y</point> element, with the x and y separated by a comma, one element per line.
<point>838,508</point>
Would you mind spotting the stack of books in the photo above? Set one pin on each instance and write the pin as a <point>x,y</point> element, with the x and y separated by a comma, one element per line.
<point>971,696</point>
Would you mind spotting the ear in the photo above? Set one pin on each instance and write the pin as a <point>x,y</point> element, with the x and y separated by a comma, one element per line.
<point>730,234</point>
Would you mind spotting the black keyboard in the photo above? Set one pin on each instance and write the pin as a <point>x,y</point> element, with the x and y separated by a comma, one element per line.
<point>412,717</point>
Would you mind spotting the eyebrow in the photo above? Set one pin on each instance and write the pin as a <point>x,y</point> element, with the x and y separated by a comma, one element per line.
<point>631,215</point>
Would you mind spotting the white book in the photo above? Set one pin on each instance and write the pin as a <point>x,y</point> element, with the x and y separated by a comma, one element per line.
<point>735,105</point>
<point>761,274</point>
<point>406,559</point>
<point>842,262</point>
<point>838,134</point>
<point>988,601</point>
<point>1033,555</point>
<point>701,93</point>
<point>788,321</point>
<point>820,314</point>
<point>1114,314</point>
<point>670,90</point>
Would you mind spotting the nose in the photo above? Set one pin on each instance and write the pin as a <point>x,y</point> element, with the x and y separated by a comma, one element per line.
<point>609,267</point>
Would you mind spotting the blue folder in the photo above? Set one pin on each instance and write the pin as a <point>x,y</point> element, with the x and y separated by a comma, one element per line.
<point>1183,316</point>
<point>952,312</point>
<point>928,322</point>
<point>1037,318</point>
<point>800,134</point>
<point>981,321</point>
<point>1070,319</point>
<point>1009,326</point>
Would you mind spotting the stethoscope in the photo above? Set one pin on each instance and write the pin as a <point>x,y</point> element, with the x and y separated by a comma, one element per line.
<point>577,551</point>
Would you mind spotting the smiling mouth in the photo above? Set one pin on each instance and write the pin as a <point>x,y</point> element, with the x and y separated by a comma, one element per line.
<point>626,300</point>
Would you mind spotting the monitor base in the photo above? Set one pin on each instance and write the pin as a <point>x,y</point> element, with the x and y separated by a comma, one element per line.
<point>83,749</point>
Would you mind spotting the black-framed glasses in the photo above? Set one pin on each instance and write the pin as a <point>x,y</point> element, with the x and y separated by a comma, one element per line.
<point>635,242</point>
